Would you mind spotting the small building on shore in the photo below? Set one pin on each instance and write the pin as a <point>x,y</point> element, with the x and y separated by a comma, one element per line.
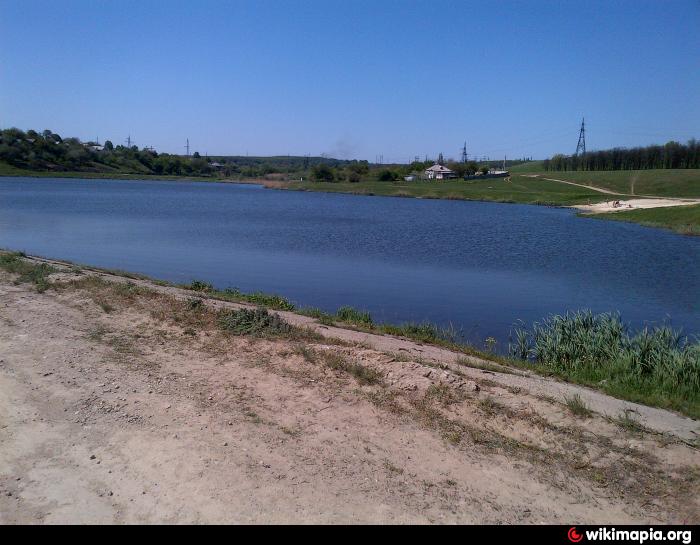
<point>439,172</point>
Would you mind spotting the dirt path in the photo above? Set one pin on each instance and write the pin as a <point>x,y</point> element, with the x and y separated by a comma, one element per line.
<point>126,404</point>
<point>592,188</point>
<point>640,201</point>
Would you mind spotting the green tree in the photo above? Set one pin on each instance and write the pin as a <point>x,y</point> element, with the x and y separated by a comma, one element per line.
<point>386,175</point>
<point>323,173</point>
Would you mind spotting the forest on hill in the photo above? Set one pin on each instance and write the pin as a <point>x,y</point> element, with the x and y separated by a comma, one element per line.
<point>670,155</point>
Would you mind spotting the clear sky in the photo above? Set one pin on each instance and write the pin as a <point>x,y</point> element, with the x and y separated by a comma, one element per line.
<point>354,78</point>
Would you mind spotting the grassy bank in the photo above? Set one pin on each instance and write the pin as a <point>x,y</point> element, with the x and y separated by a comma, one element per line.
<point>522,188</point>
<point>657,367</point>
<point>658,182</point>
<point>9,170</point>
<point>516,189</point>
<point>681,219</point>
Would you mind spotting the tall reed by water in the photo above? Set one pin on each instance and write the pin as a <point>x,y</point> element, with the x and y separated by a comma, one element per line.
<point>657,361</point>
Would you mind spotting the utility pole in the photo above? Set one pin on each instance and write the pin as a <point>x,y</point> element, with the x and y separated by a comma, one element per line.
<point>581,146</point>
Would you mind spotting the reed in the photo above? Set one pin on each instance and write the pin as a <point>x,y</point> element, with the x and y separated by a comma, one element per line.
<point>655,363</point>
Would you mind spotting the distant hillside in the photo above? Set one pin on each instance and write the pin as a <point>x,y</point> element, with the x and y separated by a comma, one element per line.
<point>48,152</point>
<point>528,166</point>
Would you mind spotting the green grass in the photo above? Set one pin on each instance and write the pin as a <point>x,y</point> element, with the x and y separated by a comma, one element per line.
<point>682,219</point>
<point>351,315</point>
<point>578,406</point>
<point>518,189</point>
<point>259,298</point>
<point>27,271</point>
<point>527,167</point>
<point>363,374</point>
<point>524,189</point>
<point>657,366</point>
<point>527,190</point>
<point>656,182</point>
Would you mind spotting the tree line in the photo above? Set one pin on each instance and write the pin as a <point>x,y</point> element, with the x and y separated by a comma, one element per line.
<point>48,151</point>
<point>670,155</point>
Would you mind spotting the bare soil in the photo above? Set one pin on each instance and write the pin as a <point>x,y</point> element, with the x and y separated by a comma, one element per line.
<point>125,403</point>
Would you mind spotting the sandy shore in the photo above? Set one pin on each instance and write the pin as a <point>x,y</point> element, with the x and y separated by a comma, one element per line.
<point>125,403</point>
<point>635,204</point>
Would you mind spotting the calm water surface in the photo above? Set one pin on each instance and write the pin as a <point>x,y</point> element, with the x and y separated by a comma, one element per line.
<point>478,266</point>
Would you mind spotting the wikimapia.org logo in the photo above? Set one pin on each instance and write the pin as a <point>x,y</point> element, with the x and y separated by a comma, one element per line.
<point>637,536</point>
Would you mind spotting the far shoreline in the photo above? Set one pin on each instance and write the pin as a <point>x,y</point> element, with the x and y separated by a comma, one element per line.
<point>600,210</point>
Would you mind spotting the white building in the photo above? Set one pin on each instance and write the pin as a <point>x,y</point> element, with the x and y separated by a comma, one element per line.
<point>439,172</point>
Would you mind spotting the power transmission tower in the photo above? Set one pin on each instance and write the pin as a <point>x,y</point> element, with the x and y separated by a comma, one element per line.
<point>129,141</point>
<point>187,147</point>
<point>581,146</point>
<point>464,153</point>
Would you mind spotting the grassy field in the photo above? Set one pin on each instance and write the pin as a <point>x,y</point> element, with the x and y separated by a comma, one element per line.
<point>657,183</point>
<point>682,219</point>
<point>519,189</point>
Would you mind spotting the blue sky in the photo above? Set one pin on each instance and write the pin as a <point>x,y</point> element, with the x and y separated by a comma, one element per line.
<point>354,78</point>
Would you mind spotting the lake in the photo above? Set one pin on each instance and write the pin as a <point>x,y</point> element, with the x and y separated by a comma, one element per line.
<point>478,266</point>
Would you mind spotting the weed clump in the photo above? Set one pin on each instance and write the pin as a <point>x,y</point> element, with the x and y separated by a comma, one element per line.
<point>198,285</point>
<point>363,375</point>
<point>257,322</point>
<point>259,298</point>
<point>578,406</point>
<point>27,271</point>
<point>353,316</point>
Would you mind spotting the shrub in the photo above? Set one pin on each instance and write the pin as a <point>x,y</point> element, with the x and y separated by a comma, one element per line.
<point>387,175</point>
<point>257,322</point>
<point>198,285</point>
<point>323,173</point>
